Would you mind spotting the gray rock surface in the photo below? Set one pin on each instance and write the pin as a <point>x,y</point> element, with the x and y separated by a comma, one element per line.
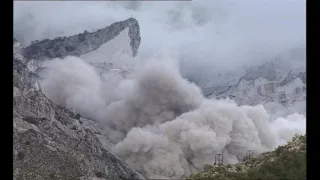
<point>52,142</point>
<point>40,51</point>
<point>84,42</point>
<point>266,83</point>
<point>279,83</point>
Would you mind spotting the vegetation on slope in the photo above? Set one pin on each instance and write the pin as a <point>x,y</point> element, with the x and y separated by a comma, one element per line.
<point>286,162</point>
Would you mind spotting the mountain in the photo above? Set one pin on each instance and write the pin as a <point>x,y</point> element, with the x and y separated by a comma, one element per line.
<point>77,147</point>
<point>286,162</point>
<point>278,83</point>
<point>53,142</point>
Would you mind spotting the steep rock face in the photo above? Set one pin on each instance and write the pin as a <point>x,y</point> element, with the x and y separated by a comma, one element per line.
<point>77,45</point>
<point>84,42</point>
<point>265,83</point>
<point>278,82</point>
<point>52,142</point>
<point>274,84</point>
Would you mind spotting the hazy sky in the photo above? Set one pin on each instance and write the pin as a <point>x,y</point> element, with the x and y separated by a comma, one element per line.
<point>184,126</point>
<point>217,33</point>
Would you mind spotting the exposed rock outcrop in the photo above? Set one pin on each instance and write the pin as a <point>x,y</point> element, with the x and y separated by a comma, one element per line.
<point>277,84</point>
<point>84,42</point>
<point>77,45</point>
<point>52,142</point>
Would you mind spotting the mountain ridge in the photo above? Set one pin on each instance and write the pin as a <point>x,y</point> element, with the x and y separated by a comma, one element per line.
<point>52,142</point>
<point>285,162</point>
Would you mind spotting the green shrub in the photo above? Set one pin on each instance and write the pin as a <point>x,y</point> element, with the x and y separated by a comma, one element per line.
<point>279,150</point>
<point>238,168</point>
<point>289,165</point>
<point>286,164</point>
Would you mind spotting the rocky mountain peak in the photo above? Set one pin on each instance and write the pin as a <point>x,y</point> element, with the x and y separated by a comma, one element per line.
<point>52,142</point>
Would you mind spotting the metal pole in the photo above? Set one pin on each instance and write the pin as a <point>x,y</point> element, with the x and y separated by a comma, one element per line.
<point>222,159</point>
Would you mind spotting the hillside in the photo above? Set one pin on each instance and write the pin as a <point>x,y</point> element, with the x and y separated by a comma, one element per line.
<point>285,162</point>
<point>88,106</point>
<point>53,142</point>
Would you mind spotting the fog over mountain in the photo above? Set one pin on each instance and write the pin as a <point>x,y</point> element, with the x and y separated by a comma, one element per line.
<point>168,110</point>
